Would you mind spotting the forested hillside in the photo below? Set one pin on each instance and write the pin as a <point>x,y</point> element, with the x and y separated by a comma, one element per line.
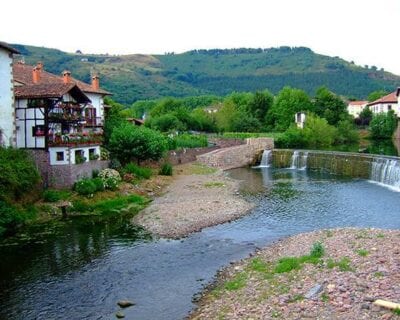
<point>219,72</point>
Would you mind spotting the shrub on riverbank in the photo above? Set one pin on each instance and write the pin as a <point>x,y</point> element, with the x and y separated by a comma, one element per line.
<point>12,216</point>
<point>136,171</point>
<point>18,174</point>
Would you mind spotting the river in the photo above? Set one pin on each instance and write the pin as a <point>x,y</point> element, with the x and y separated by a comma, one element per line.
<point>79,269</point>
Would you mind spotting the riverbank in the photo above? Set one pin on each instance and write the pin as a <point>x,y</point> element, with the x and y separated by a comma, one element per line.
<point>357,267</point>
<point>198,197</point>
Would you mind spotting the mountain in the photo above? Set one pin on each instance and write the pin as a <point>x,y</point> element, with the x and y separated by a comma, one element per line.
<point>218,71</point>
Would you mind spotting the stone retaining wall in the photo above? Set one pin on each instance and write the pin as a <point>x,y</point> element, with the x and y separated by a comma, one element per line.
<point>63,176</point>
<point>237,156</point>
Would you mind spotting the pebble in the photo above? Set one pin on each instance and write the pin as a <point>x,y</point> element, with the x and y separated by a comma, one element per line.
<point>120,315</point>
<point>125,303</point>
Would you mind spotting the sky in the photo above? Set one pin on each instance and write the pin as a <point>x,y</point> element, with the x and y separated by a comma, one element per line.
<point>363,31</point>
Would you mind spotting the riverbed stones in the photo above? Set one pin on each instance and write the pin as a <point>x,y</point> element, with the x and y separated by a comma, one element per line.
<point>284,295</point>
<point>125,303</point>
<point>120,315</point>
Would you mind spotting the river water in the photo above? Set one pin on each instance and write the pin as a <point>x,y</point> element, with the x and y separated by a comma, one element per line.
<point>79,269</point>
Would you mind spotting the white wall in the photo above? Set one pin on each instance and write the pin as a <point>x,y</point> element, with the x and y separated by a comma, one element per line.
<point>7,124</point>
<point>69,154</point>
<point>355,109</point>
<point>24,125</point>
<point>97,102</point>
<point>384,107</point>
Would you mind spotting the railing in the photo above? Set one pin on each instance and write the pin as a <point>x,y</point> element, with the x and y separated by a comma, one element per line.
<point>94,122</point>
<point>75,139</point>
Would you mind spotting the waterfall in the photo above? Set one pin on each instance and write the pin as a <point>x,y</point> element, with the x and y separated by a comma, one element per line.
<point>386,171</point>
<point>265,159</point>
<point>299,160</point>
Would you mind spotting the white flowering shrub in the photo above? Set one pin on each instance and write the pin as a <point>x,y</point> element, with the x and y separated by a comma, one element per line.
<point>111,178</point>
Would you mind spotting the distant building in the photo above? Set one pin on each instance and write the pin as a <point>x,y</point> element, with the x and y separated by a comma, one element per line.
<point>7,119</point>
<point>300,119</point>
<point>354,108</point>
<point>385,104</point>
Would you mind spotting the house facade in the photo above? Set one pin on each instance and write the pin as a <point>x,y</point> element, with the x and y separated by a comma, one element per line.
<point>385,104</point>
<point>354,108</point>
<point>60,120</point>
<point>7,118</point>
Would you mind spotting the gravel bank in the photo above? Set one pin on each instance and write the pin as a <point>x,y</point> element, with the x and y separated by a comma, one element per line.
<point>359,266</point>
<point>197,198</point>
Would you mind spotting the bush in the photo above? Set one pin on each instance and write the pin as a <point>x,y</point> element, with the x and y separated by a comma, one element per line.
<point>110,178</point>
<point>11,217</point>
<point>98,182</point>
<point>18,174</point>
<point>346,134</point>
<point>128,142</point>
<point>166,169</point>
<point>85,187</point>
<point>383,125</point>
<point>55,195</point>
<point>291,138</point>
<point>190,141</point>
<point>139,172</point>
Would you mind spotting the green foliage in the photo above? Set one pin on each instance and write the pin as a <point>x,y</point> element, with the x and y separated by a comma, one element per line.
<point>166,123</point>
<point>189,141</point>
<point>329,106</point>
<point>318,133</point>
<point>238,282</point>
<point>85,187</point>
<point>139,172</point>
<point>292,138</point>
<point>112,119</point>
<point>18,174</point>
<point>245,135</point>
<point>287,103</point>
<point>138,77</point>
<point>346,133</point>
<point>110,178</point>
<point>287,264</point>
<point>12,216</point>
<point>362,252</point>
<point>99,183</point>
<point>51,195</point>
<point>383,125</point>
<point>257,264</point>
<point>364,117</point>
<point>166,169</point>
<point>343,264</point>
<point>375,95</point>
<point>129,142</point>
<point>317,250</point>
<point>260,103</point>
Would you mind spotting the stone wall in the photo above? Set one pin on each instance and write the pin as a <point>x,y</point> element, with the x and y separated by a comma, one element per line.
<point>237,156</point>
<point>226,142</point>
<point>187,155</point>
<point>354,165</point>
<point>63,176</point>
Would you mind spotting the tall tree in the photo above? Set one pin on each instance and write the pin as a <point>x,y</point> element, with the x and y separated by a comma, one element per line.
<point>329,106</point>
<point>260,104</point>
<point>287,103</point>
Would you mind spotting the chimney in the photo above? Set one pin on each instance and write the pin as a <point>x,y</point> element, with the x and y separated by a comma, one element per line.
<point>35,75</point>
<point>95,82</point>
<point>66,76</point>
<point>39,66</point>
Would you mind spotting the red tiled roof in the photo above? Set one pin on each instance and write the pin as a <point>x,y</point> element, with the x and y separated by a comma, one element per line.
<point>50,90</point>
<point>358,103</point>
<point>390,98</point>
<point>7,47</point>
<point>23,74</point>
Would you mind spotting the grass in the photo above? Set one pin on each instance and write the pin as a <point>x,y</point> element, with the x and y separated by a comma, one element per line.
<point>363,252</point>
<point>238,282</point>
<point>137,171</point>
<point>396,311</point>
<point>378,274</point>
<point>245,135</point>
<point>51,195</point>
<point>198,168</point>
<point>214,184</point>
<point>132,203</point>
<point>343,264</point>
<point>190,141</point>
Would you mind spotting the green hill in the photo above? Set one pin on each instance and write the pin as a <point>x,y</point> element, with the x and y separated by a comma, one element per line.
<point>137,77</point>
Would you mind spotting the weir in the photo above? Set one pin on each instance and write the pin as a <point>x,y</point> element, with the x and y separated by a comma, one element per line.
<point>376,168</point>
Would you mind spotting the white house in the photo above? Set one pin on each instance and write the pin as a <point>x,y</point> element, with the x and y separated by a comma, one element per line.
<point>385,104</point>
<point>354,108</point>
<point>7,123</point>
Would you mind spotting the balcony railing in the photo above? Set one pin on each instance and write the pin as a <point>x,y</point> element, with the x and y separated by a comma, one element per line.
<point>75,139</point>
<point>94,122</point>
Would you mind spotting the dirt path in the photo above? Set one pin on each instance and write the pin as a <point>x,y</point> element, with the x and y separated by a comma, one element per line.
<point>198,197</point>
<point>358,267</point>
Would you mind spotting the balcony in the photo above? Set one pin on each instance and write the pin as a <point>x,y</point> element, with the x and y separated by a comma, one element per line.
<point>75,139</point>
<point>93,122</point>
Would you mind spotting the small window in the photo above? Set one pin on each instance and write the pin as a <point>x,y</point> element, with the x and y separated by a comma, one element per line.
<point>389,107</point>
<point>38,131</point>
<point>60,156</point>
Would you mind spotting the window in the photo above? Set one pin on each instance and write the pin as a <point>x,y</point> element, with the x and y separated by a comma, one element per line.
<point>38,131</point>
<point>389,107</point>
<point>60,156</point>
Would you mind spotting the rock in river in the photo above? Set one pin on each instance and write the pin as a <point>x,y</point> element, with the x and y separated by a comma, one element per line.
<point>125,303</point>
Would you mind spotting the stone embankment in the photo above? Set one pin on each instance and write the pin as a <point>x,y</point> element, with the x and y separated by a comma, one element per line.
<point>237,156</point>
<point>358,267</point>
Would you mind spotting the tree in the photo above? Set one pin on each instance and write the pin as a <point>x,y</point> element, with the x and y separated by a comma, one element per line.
<point>130,142</point>
<point>260,104</point>
<point>287,103</point>
<point>112,119</point>
<point>365,117</point>
<point>329,106</point>
<point>383,125</point>
<point>375,95</point>
<point>167,123</point>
